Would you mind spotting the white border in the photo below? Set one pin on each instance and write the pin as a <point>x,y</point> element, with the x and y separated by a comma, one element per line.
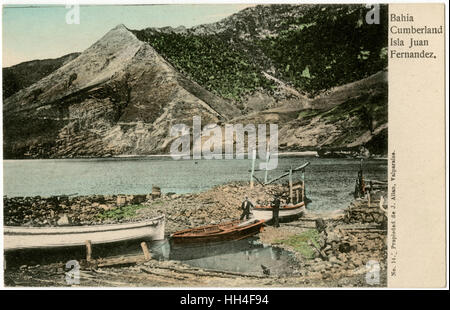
<point>140,2</point>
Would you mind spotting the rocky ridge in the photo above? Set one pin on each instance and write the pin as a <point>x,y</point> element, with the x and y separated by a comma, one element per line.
<point>22,75</point>
<point>122,95</point>
<point>117,97</point>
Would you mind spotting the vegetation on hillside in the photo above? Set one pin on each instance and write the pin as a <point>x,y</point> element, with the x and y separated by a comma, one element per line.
<point>24,74</point>
<point>210,62</point>
<point>313,49</point>
<point>119,213</point>
<point>332,45</point>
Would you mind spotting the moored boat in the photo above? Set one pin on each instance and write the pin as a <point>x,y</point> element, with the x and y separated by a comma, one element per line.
<point>286,212</point>
<point>234,230</point>
<point>18,237</point>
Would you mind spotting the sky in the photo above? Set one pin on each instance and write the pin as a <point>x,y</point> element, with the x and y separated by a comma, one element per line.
<point>40,32</point>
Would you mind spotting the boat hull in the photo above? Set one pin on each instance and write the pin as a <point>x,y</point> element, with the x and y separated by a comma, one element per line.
<point>217,233</point>
<point>53,237</point>
<point>287,213</point>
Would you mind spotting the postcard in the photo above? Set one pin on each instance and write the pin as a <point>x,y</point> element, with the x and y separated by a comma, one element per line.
<point>245,145</point>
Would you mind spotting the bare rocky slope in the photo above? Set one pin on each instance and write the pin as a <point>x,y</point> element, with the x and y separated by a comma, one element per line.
<point>122,95</point>
<point>345,117</point>
<point>117,97</point>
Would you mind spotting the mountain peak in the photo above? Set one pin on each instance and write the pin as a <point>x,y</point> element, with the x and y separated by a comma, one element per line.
<point>120,27</point>
<point>118,31</point>
<point>98,63</point>
<point>123,93</point>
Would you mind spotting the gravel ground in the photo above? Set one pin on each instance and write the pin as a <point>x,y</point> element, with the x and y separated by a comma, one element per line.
<point>218,204</point>
<point>338,267</point>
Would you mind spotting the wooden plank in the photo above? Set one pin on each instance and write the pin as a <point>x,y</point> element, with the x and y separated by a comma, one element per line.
<point>253,168</point>
<point>144,247</point>
<point>303,185</point>
<point>301,167</point>
<point>376,182</point>
<point>364,230</point>
<point>258,180</point>
<point>303,193</point>
<point>209,272</point>
<point>286,174</point>
<point>291,193</point>
<point>129,260</point>
<point>88,250</point>
<point>164,275</point>
<point>267,165</point>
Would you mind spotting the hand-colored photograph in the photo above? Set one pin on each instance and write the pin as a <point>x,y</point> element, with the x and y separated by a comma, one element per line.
<point>195,145</point>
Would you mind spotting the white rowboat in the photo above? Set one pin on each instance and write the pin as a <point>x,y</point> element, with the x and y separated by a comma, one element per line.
<point>288,211</point>
<point>18,237</point>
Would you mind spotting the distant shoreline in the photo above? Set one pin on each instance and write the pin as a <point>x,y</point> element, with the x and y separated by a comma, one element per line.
<point>246,156</point>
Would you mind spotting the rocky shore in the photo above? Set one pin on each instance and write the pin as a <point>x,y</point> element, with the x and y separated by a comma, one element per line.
<point>335,248</point>
<point>216,205</point>
<point>64,210</point>
<point>345,245</point>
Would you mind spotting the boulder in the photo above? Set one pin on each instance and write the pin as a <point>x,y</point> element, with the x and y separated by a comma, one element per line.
<point>138,199</point>
<point>121,200</point>
<point>333,237</point>
<point>156,192</point>
<point>63,220</point>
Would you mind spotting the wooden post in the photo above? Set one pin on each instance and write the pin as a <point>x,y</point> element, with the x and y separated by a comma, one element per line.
<point>156,192</point>
<point>303,185</point>
<point>303,191</point>
<point>146,251</point>
<point>291,194</point>
<point>253,168</point>
<point>88,250</point>
<point>267,166</point>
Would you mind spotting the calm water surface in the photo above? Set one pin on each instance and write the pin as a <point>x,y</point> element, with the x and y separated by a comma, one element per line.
<point>248,255</point>
<point>329,182</point>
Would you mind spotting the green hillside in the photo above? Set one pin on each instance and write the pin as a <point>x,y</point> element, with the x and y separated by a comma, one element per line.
<point>210,62</point>
<point>332,46</point>
<point>313,48</point>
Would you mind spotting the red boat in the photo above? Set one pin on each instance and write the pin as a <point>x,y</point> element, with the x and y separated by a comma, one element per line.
<point>234,230</point>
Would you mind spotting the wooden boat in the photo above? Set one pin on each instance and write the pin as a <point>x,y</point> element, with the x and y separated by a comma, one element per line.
<point>234,230</point>
<point>285,212</point>
<point>17,237</point>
